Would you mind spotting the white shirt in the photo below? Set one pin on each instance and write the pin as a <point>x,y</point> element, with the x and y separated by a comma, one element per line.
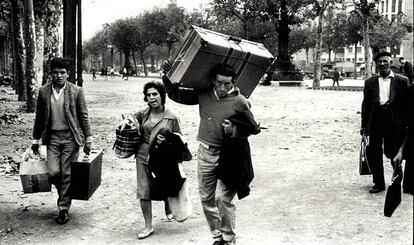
<point>56,94</point>
<point>384,88</point>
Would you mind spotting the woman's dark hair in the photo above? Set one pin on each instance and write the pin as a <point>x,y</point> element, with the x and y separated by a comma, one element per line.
<point>60,62</point>
<point>159,87</point>
<point>224,70</point>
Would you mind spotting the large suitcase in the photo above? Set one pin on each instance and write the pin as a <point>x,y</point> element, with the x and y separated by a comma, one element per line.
<point>203,49</point>
<point>86,175</point>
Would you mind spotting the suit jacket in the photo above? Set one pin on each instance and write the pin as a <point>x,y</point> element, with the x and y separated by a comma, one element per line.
<point>75,111</point>
<point>398,87</point>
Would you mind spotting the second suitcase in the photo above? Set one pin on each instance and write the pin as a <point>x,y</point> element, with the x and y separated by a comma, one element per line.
<point>86,175</point>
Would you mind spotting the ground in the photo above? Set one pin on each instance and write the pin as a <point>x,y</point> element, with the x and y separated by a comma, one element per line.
<point>306,189</point>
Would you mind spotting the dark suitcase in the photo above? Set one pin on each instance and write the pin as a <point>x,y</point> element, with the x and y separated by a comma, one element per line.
<point>86,175</point>
<point>203,49</point>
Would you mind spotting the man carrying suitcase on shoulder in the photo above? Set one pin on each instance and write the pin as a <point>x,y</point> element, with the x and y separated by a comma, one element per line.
<point>61,115</point>
<point>216,105</point>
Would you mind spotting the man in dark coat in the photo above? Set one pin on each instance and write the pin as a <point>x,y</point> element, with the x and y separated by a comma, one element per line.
<point>336,77</point>
<point>382,116</point>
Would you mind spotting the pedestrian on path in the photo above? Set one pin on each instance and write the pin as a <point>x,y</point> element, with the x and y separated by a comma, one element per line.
<point>62,122</point>
<point>151,120</point>
<point>382,116</point>
<point>93,73</point>
<point>216,105</point>
<point>406,68</point>
<point>335,78</point>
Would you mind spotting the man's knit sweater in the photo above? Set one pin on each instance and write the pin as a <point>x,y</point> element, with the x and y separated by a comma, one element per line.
<point>212,110</point>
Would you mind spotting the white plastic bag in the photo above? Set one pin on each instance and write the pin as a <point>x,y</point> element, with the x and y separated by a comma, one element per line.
<point>180,205</point>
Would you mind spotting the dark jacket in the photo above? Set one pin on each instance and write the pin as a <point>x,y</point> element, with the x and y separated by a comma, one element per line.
<point>75,111</point>
<point>235,167</point>
<point>163,163</point>
<point>370,102</point>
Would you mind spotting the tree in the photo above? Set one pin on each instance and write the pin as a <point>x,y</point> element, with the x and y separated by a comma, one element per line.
<point>29,40</point>
<point>120,36</point>
<point>319,8</point>
<point>245,11</point>
<point>333,31</point>
<point>353,36</point>
<point>53,17</point>
<point>18,48</point>
<point>389,34</point>
<point>366,11</point>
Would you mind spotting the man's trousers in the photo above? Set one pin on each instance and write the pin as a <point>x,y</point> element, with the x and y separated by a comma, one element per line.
<point>61,152</point>
<point>216,197</point>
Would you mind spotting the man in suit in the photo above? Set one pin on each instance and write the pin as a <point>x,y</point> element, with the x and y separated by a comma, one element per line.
<point>382,116</point>
<point>61,115</point>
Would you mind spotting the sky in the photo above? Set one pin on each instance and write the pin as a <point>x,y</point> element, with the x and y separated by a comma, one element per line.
<point>95,13</point>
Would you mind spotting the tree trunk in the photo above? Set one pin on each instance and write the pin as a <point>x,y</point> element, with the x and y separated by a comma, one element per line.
<point>307,57</point>
<point>29,40</point>
<point>39,35</point>
<point>143,62</point>
<point>367,48</point>
<point>18,55</point>
<point>355,61</point>
<point>169,47</point>
<point>135,62</point>
<point>318,51</point>
<point>127,63</point>
<point>52,38</point>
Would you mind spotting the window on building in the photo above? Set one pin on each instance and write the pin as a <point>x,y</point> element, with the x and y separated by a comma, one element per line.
<point>399,6</point>
<point>348,59</point>
<point>382,7</point>
<point>359,49</point>
<point>393,5</point>
<point>349,50</point>
<point>360,59</point>
<point>323,59</point>
<point>386,6</point>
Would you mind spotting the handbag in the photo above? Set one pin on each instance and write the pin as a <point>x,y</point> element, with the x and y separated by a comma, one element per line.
<point>363,158</point>
<point>127,142</point>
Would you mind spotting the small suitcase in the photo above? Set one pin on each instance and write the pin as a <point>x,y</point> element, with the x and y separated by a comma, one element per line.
<point>203,49</point>
<point>86,175</point>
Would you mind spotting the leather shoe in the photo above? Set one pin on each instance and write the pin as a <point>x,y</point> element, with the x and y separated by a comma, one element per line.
<point>221,242</point>
<point>63,217</point>
<point>145,233</point>
<point>376,189</point>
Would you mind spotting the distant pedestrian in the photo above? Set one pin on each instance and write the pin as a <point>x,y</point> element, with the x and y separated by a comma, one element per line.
<point>382,117</point>
<point>106,72</point>
<point>335,77</point>
<point>62,123</point>
<point>125,74</point>
<point>112,70</point>
<point>406,68</point>
<point>93,73</point>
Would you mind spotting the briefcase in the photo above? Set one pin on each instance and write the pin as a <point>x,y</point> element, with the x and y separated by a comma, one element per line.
<point>86,175</point>
<point>203,49</point>
<point>363,158</point>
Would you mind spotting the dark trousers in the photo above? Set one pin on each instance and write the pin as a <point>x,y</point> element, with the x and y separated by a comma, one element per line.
<point>383,140</point>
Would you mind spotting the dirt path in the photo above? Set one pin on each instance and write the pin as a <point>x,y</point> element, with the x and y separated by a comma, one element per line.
<point>306,188</point>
